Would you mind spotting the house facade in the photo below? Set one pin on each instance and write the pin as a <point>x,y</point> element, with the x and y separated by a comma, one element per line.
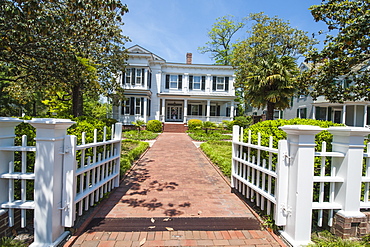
<point>174,92</point>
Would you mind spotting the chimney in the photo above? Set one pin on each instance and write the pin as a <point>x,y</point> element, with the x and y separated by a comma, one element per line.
<point>189,58</point>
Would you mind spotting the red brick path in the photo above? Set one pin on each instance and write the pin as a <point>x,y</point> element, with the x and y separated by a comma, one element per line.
<point>174,179</point>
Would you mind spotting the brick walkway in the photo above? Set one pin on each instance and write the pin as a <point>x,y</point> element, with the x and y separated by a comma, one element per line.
<point>173,182</point>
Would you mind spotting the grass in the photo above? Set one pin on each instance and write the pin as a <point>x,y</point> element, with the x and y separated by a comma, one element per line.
<point>139,135</point>
<point>210,136</point>
<point>219,152</point>
<point>326,239</point>
<point>9,242</point>
<point>130,151</point>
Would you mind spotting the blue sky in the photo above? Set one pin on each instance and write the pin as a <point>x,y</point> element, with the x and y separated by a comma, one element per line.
<point>171,28</point>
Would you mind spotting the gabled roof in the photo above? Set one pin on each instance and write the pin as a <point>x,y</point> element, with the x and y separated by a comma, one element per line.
<point>140,50</point>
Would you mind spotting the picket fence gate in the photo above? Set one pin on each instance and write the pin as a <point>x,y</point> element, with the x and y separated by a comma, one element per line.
<point>66,176</point>
<point>282,181</point>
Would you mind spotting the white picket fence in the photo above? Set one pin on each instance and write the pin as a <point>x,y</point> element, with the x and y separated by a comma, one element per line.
<point>66,176</point>
<point>281,180</point>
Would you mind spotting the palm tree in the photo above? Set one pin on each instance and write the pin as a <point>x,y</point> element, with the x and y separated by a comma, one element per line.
<point>270,82</point>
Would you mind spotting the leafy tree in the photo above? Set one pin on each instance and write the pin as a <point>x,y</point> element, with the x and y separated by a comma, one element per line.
<point>265,62</point>
<point>221,34</point>
<point>70,46</point>
<point>339,70</point>
<point>270,82</point>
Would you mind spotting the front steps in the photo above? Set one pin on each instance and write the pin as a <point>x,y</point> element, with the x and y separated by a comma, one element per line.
<point>174,127</point>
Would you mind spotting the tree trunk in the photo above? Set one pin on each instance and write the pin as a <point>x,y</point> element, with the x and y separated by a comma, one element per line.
<point>77,101</point>
<point>270,111</point>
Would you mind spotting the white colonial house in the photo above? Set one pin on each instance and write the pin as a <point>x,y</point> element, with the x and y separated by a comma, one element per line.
<point>174,92</point>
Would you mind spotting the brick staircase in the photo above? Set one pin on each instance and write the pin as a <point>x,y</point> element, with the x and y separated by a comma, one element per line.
<point>174,127</point>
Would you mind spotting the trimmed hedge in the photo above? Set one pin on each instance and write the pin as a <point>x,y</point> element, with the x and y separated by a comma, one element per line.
<point>195,124</point>
<point>154,126</point>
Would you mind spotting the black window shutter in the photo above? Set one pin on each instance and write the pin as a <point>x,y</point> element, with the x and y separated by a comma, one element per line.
<point>149,105</point>
<point>214,83</point>
<point>167,81</point>
<point>123,78</point>
<point>189,109</point>
<point>142,106</point>
<point>298,113</point>
<point>133,74</point>
<point>190,82</point>
<point>149,79</point>
<point>179,86</point>
<point>203,82</point>
<point>226,84</point>
<point>200,113</point>
<point>218,110</point>
<point>132,105</point>
<point>142,76</point>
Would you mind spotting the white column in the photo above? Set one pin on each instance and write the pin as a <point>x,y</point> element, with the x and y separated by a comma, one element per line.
<point>7,136</point>
<point>344,114</point>
<point>50,134</point>
<point>350,141</point>
<point>313,112</point>
<point>208,83</point>
<point>145,109</point>
<point>185,110</point>
<point>301,141</point>
<point>232,111</point>
<point>208,112</point>
<point>185,83</point>
<point>163,110</point>
<point>365,115</point>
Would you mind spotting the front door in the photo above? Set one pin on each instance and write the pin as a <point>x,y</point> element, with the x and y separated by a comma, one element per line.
<point>337,116</point>
<point>174,112</point>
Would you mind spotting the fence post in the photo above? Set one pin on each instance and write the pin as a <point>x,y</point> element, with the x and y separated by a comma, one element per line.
<point>7,134</point>
<point>117,147</point>
<point>50,134</point>
<point>301,141</point>
<point>350,141</point>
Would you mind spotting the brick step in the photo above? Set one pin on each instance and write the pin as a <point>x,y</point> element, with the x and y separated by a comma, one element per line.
<point>176,128</point>
<point>176,223</point>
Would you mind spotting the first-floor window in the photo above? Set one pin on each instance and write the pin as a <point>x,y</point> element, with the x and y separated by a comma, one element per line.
<point>126,107</point>
<point>137,106</point>
<point>302,112</point>
<point>195,110</point>
<point>215,110</point>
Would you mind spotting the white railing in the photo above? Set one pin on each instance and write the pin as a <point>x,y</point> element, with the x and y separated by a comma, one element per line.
<point>65,175</point>
<point>285,179</point>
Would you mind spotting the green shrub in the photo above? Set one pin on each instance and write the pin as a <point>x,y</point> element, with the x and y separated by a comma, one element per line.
<point>219,153</point>
<point>131,150</point>
<point>195,124</point>
<point>154,126</point>
<point>243,121</point>
<point>228,124</point>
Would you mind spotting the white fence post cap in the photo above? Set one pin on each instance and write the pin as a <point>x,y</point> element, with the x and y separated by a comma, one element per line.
<point>298,129</point>
<point>349,131</point>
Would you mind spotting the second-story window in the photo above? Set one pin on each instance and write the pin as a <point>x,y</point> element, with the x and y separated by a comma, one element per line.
<point>173,82</point>
<point>134,76</point>
<point>197,82</point>
<point>220,83</point>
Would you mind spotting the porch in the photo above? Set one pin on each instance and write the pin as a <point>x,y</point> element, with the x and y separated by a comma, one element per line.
<point>177,110</point>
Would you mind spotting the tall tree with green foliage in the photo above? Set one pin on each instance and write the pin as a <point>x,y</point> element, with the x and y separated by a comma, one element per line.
<point>265,62</point>
<point>340,71</point>
<point>53,45</point>
<point>221,34</point>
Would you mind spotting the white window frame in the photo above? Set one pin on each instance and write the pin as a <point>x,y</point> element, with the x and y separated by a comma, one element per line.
<point>126,107</point>
<point>173,81</point>
<point>197,82</point>
<point>218,83</point>
<point>128,76</point>
<point>138,76</point>
<point>138,105</point>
